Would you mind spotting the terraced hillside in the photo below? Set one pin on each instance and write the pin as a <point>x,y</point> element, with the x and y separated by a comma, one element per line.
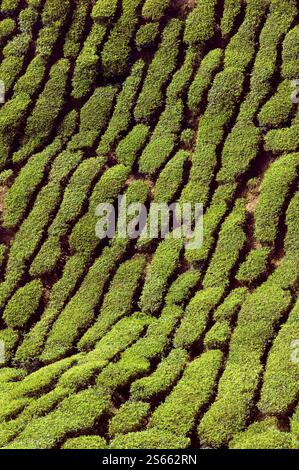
<point>141,343</point>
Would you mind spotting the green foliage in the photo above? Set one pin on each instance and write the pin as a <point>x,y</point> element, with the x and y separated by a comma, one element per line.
<point>231,11</point>
<point>182,287</point>
<point>290,51</point>
<point>75,32</point>
<point>254,266</point>
<point>116,51</point>
<point>163,265</point>
<point>169,180</point>
<point>104,10</point>
<point>200,23</point>
<point>218,336</point>
<point>155,9</point>
<point>130,146</point>
<point>149,439</point>
<point>85,442</point>
<point>122,115</point>
<point>162,379</point>
<point>274,190</point>
<point>276,111</point>
<point>7,27</point>
<point>118,300</point>
<point>23,305</point>
<point>131,417</point>
<point>228,248</point>
<point>196,317</point>
<point>177,414</point>
<point>208,68</point>
<point>163,64</point>
<point>146,35</point>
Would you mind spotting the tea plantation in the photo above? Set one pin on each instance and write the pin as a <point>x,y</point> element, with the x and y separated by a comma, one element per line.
<point>127,343</point>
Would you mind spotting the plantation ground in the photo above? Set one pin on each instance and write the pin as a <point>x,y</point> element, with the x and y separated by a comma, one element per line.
<point>143,344</point>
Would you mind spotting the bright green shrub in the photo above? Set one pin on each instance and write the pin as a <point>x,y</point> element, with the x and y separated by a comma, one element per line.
<point>118,300</point>
<point>200,23</point>
<point>179,85</point>
<point>162,66</point>
<point>163,138</point>
<point>256,326</point>
<point>254,266</point>
<point>291,242</point>
<point>7,27</point>
<point>162,379</point>
<point>213,218</point>
<point>231,11</point>
<point>218,336</point>
<point>149,439</point>
<point>290,51</point>
<point>280,381</point>
<point>77,412</point>
<point>104,10</point>
<point>9,6</point>
<point>46,110</point>
<point>19,194</point>
<point>274,190</point>
<point>228,248</point>
<point>169,180</point>
<point>46,41</point>
<point>154,10</point>
<point>163,265</point>
<point>130,146</point>
<point>264,435</point>
<point>11,118</point>
<point>146,35</point>
<point>276,111</point>
<point>208,68</point>
<point>23,305</point>
<point>181,407</point>
<point>75,196</point>
<point>239,152</point>
<point>180,290</point>
<point>228,310</point>
<point>196,317</point>
<point>10,339</point>
<point>75,32</point>
<point>33,77</point>
<point>130,417</point>
<point>85,442</point>
<point>122,115</point>
<point>94,117</point>
<point>87,62</point>
<point>54,10</point>
<point>188,138</point>
<point>282,140</point>
<point>116,51</point>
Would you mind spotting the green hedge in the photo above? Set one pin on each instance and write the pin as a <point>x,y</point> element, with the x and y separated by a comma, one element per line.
<point>264,434</point>
<point>196,317</point>
<point>104,10</point>
<point>132,144</point>
<point>7,27</point>
<point>218,336</point>
<point>154,10</point>
<point>77,412</point>
<point>163,265</point>
<point>47,108</point>
<point>23,305</point>
<point>274,191</point>
<point>200,23</point>
<point>280,382</point>
<point>207,70</point>
<point>146,35</point>
<point>122,115</point>
<point>74,198</point>
<point>188,398</point>
<point>291,242</point>
<point>277,110</point>
<point>170,178</point>
<point>231,11</point>
<point>254,267</point>
<point>228,248</point>
<point>257,320</point>
<point>117,49</point>
<point>290,50</point>
<point>282,140</point>
<point>162,379</point>
<point>85,442</point>
<point>228,310</point>
<point>130,417</point>
<point>118,301</point>
<point>181,289</point>
<point>74,36</point>
<point>150,439</point>
<point>162,66</point>
<point>87,63</point>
